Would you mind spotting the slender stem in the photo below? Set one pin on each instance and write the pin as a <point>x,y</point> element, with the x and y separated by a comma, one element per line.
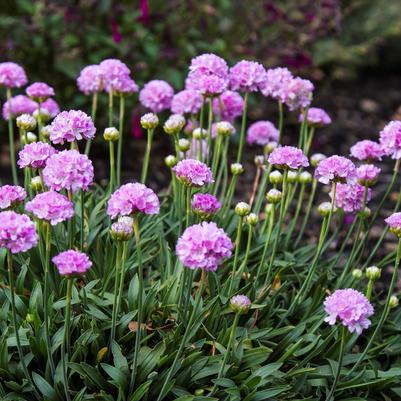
<point>237,247</point>
<point>369,289</point>
<point>122,276</point>
<point>302,129</point>
<point>280,121</point>
<point>222,167</point>
<point>93,114</point>
<point>115,308</point>
<point>296,216</point>
<point>71,223</point>
<point>209,131</point>
<point>309,140</point>
<point>255,185</point>
<point>242,132</point>
<point>112,167</point>
<point>120,138</point>
<point>262,188</point>
<point>11,139</point>
<point>229,196</point>
<point>111,98</point>
<point>216,155</point>
<point>81,234</point>
<point>202,111</point>
<point>145,165</point>
<point>39,120</point>
<point>188,206</point>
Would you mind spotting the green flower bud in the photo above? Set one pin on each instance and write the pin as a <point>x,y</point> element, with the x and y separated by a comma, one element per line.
<point>237,169</point>
<point>373,273</point>
<point>365,213</point>
<point>357,273</point>
<point>316,159</point>
<point>224,128</point>
<point>45,131</point>
<point>305,177</point>
<point>269,208</point>
<point>393,302</point>
<point>170,161</point>
<point>174,124</point>
<point>197,133</point>
<point>149,121</point>
<point>26,122</point>
<point>240,304</point>
<point>36,183</point>
<point>31,137</point>
<point>324,209</point>
<point>184,145</point>
<point>44,115</point>
<point>274,196</point>
<point>242,209</point>
<point>259,160</point>
<point>111,134</point>
<point>270,147</point>
<point>275,177</point>
<point>252,219</point>
<point>292,177</point>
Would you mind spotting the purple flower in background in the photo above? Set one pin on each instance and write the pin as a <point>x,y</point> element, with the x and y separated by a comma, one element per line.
<point>34,155</point>
<point>11,195</point>
<point>186,102</point>
<point>247,76</point>
<point>367,174</point>
<point>112,71</point>
<point>367,150</point>
<point>156,95</point>
<point>51,106</point>
<point>71,263</point>
<point>205,205</point>
<point>39,91</point>
<point>390,139</point>
<point>394,223</point>
<point>115,31</point>
<point>297,93</point>
<point>125,86</point>
<point>276,79</point>
<point>261,133</point>
<point>336,168</point>
<point>231,105</point>
<point>350,197</point>
<point>316,117</point>
<point>288,157</point>
<point>20,104</point>
<point>193,173</point>
<point>90,79</point>
<point>12,75</point>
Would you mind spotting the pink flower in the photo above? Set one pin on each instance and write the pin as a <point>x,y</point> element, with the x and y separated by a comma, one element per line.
<point>288,157</point>
<point>203,246</point>
<point>316,117</point>
<point>112,71</point>
<point>394,222</point>
<point>349,197</point>
<point>20,104</point>
<point>240,303</point>
<point>133,198</point>
<point>39,91</point>
<point>351,307</point>
<point>335,168</point>
<point>11,195</point>
<point>276,80</point>
<point>12,75</point>
<point>186,102</point>
<point>247,76</point>
<point>209,64</point>
<point>35,155</point>
<point>51,106</point>
<point>390,139</point>
<point>17,232</point>
<point>68,170</point>
<point>231,104</point>
<point>156,95</point>
<point>367,174</point>
<point>72,263</point>
<point>205,205</point>
<point>367,150</point>
<point>125,86</point>
<point>261,133</point>
<point>193,173</point>
<point>297,93</point>
<point>51,206</point>
<point>70,126</point>
<point>90,79</point>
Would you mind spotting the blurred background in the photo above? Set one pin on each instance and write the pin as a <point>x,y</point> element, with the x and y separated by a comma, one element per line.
<point>351,50</point>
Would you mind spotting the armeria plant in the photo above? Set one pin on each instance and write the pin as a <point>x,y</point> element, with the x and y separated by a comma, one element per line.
<point>201,291</point>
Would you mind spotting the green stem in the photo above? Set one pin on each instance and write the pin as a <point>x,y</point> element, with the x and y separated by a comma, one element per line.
<point>115,308</point>
<point>216,155</point>
<point>242,132</point>
<point>111,98</point>
<point>120,139</point>
<point>202,111</point>
<point>302,129</point>
<point>309,140</point>
<point>237,247</point>
<point>81,234</point>
<point>209,131</point>
<point>71,223</point>
<point>145,165</point>
<point>280,121</point>
<point>262,189</point>
<point>11,139</point>
<point>229,196</point>
<point>188,206</point>
<point>112,167</point>
<point>370,289</point>
<point>93,114</point>
<point>296,216</point>
<point>40,125</point>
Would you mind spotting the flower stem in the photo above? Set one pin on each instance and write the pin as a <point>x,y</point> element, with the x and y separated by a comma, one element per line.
<point>202,111</point>
<point>115,308</point>
<point>209,131</point>
<point>188,206</point>
<point>111,99</point>
<point>81,234</point>
<point>93,114</point>
<point>11,139</point>
<point>237,247</point>
<point>242,132</point>
<point>120,138</point>
<point>145,165</point>
<point>280,121</point>
<point>262,188</point>
<point>112,167</point>
<point>296,216</point>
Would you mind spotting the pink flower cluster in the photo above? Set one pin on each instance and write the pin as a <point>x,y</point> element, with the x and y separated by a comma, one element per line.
<point>11,195</point>
<point>276,79</point>
<point>133,198</point>
<point>12,75</point>
<point>203,246</point>
<point>231,104</point>
<point>90,79</point>
<point>367,150</point>
<point>367,174</point>
<point>297,93</point>
<point>17,232</point>
<point>34,155</point>
<point>186,102</point>
<point>51,106</point>
<point>247,76</point>
<point>240,303</point>
<point>68,170</point>
<point>39,91</point>
<point>193,173</point>
<point>156,95</point>
<point>394,222</point>
<point>350,197</point>
<point>20,104</point>
<point>335,168</point>
<point>115,75</point>
<point>390,139</point>
<point>288,157</point>
<point>316,117</point>
<point>72,263</point>
<point>205,205</point>
<point>351,307</point>
<point>261,133</point>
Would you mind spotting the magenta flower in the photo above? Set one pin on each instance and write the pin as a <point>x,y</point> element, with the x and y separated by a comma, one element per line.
<point>247,76</point>
<point>72,263</point>
<point>297,93</point>
<point>394,222</point>
<point>133,198</point>
<point>205,205</point>
<point>351,307</point>
<point>209,64</point>
<point>20,104</point>
<point>51,206</point>
<point>261,133</point>
<point>156,95</point>
<point>316,117</point>
<point>390,139</point>
<point>90,79</point>
<point>335,168</point>
<point>367,150</point>
<point>350,197</point>
<point>51,106</point>
<point>12,75</point>
<point>39,91</point>
<point>186,102</point>
<point>68,170</point>
<point>11,195</point>
<point>71,126</point>
<point>230,104</point>
<point>203,246</point>
<point>17,232</point>
<point>112,71</point>
<point>125,86</point>
<point>288,157</point>
<point>276,80</point>
<point>34,155</point>
<point>367,174</point>
<point>193,173</point>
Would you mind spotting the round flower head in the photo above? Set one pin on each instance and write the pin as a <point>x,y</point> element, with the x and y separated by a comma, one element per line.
<point>51,206</point>
<point>276,79</point>
<point>394,222</point>
<point>156,95</point>
<point>288,157</point>
<point>112,71</point>
<point>68,170</point>
<point>349,197</point>
<point>51,106</point>
<point>12,75</point>
<point>133,198</point>
<point>247,76</point>
<point>72,263</point>
<point>20,104</point>
<point>121,231</point>
<point>174,124</point>
<point>240,303</point>
<point>261,133</point>
<point>193,173</point>
<point>352,309</point>
<point>125,86</point>
<point>70,126</point>
<point>205,205</point>
<point>390,139</point>
<point>186,102</point>
<point>223,128</point>
<point>26,122</point>
<point>335,168</point>
<point>230,104</point>
<point>149,121</point>
<point>11,195</point>
<point>39,91</point>
<point>367,174</point>
<point>297,93</point>
<point>208,64</point>
<point>203,246</point>
<point>17,232</point>
<point>367,150</point>
<point>90,79</point>
<point>316,117</point>
<point>35,155</point>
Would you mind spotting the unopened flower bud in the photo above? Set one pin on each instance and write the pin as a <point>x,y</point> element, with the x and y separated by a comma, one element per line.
<point>274,196</point>
<point>324,209</point>
<point>184,145</point>
<point>31,137</point>
<point>275,177</point>
<point>30,317</point>
<point>174,124</point>
<point>129,221</point>
<point>269,208</point>
<point>365,213</point>
<point>26,122</point>
<point>198,133</point>
<point>259,160</point>
<point>357,273</point>
<point>316,159</point>
<point>36,183</point>
<point>45,131</point>
<point>237,168</point>
<point>44,115</point>
<point>270,147</point>
<point>111,134</point>
<point>305,177</point>
<point>240,304</point>
<point>224,128</point>
<point>252,219</point>
<point>121,232</point>
<point>242,209</point>
<point>292,177</point>
<point>373,273</point>
<point>170,161</point>
<point>393,303</point>
<point>149,121</point>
